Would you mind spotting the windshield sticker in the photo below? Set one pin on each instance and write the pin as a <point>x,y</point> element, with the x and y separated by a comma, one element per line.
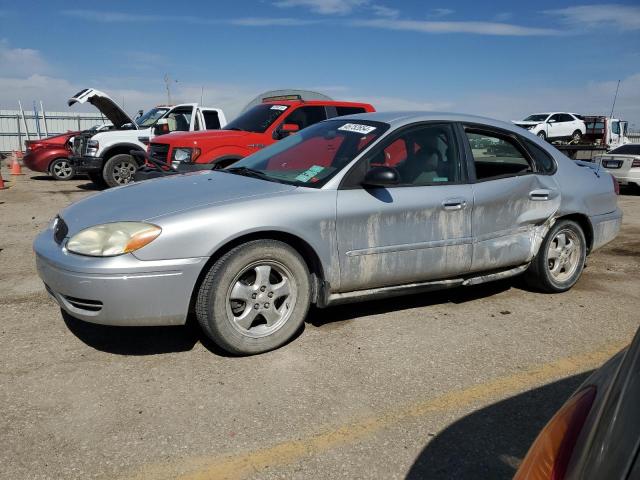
<point>278,107</point>
<point>309,174</point>
<point>357,128</point>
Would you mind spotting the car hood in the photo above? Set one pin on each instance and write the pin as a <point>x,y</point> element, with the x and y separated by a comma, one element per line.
<point>104,104</point>
<point>147,200</point>
<point>525,124</point>
<point>193,138</point>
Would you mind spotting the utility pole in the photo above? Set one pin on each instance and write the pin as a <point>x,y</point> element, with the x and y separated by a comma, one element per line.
<point>614,100</point>
<point>167,83</point>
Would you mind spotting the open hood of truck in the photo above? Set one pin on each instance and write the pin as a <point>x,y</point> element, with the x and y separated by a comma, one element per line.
<point>105,104</point>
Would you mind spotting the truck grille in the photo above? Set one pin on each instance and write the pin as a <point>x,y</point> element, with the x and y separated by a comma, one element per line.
<point>80,141</point>
<point>159,151</point>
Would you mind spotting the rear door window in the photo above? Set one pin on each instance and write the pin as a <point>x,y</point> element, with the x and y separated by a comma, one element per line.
<point>349,110</point>
<point>211,119</point>
<point>497,155</point>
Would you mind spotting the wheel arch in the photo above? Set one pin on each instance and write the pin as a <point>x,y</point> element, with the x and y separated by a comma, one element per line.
<point>118,149</point>
<point>306,251</point>
<point>584,222</point>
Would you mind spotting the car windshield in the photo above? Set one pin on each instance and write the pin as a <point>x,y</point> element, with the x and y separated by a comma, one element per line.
<point>151,117</point>
<point>313,156</point>
<point>538,117</point>
<point>258,118</point>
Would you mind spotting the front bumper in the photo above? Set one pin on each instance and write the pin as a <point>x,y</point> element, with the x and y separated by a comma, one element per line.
<point>86,164</point>
<point>120,290</point>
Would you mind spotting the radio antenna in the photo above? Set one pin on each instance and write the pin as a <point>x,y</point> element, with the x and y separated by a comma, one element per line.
<point>614,100</point>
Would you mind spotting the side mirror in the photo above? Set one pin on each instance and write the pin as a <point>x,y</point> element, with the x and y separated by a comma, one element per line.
<point>139,114</point>
<point>287,129</point>
<point>551,121</point>
<point>161,127</point>
<point>381,177</point>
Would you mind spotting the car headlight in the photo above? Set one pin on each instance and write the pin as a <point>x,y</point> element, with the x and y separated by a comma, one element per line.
<point>185,154</point>
<point>92,147</point>
<point>112,239</point>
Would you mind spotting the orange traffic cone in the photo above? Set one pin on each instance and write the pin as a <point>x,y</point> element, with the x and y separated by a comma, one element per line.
<point>2,185</point>
<point>15,166</point>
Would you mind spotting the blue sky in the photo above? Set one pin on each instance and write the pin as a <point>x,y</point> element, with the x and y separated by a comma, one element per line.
<point>502,60</point>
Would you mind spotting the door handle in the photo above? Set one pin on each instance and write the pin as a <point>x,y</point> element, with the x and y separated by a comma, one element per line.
<point>454,204</point>
<point>540,195</point>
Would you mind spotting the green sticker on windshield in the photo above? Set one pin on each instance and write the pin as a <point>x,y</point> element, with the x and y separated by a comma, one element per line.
<point>309,174</point>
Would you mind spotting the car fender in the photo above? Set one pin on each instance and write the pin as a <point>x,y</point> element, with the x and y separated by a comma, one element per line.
<point>122,148</point>
<point>227,151</point>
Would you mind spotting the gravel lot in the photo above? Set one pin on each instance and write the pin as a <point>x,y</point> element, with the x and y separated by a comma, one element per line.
<point>452,384</point>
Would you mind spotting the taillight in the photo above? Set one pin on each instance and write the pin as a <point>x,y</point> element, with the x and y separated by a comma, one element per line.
<point>635,163</point>
<point>548,457</point>
<point>616,185</point>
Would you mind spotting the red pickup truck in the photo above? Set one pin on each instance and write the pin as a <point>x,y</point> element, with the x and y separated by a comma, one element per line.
<point>256,128</point>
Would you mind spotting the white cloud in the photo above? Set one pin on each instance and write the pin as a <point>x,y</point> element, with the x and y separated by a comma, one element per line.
<point>268,22</point>
<point>613,16</point>
<point>383,103</point>
<point>503,16</point>
<point>382,11</point>
<point>478,28</point>
<point>588,98</point>
<point>440,12</point>
<point>21,61</point>
<point>324,7</point>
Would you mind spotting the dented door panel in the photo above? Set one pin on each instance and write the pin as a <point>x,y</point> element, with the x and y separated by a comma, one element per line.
<point>510,215</point>
<point>401,235</point>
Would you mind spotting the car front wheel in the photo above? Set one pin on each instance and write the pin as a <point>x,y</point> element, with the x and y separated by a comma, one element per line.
<point>542,135</point>
<point>560,259</point>
<point>576,136</point>
<point>255,297</point>
<point>119,170</point>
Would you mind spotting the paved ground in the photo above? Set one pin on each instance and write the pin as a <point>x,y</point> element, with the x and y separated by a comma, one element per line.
<point>445,385</point>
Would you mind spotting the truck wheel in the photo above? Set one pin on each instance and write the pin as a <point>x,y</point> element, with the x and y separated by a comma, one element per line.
<point>542,135</point>
<point>119,170</point>
<point>61,169</point>
<point>576,136</point>
<point>255,297</point>
<point>560,259</point>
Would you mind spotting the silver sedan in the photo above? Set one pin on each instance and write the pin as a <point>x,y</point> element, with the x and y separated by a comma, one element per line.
<point>352,208</point>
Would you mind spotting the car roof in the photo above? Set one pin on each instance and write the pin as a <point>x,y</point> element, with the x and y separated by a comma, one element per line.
<point>399,118</point>
<point>336,103</point>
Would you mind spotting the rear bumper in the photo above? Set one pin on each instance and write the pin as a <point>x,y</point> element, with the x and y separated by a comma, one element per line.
<point>631,176</point>
<point>86,164</point>
<point>605,228</point>
<point>117,290</point>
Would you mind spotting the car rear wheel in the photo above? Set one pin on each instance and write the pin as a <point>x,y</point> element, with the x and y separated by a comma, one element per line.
<point>61,169</point>
<point>255,297</point>
<point>560,259</point>
<point>576,136</point>
<point>119,170</point>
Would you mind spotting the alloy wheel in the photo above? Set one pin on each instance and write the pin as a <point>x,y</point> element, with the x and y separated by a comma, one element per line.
<point>261,298</point>
<point>123,172</point>
<point>563,255</point>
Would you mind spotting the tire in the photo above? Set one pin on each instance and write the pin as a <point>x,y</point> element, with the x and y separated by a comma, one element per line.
<point>223,162</point>
<point>230,319</point>
<point>542,135</point>
<point>548,273</point>
<point>119,170</point>
<point>61,169</point>
<point>576,136</point>
<point>97,179</point>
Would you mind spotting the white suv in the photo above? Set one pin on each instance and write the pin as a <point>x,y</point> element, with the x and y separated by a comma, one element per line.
<point>555,126</point>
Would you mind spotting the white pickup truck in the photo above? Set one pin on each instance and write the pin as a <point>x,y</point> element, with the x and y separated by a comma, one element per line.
<point>105,156</point>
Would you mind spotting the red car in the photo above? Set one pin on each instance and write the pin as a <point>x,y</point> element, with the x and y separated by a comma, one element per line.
<point>51,155</point>
<point>256,128</point>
